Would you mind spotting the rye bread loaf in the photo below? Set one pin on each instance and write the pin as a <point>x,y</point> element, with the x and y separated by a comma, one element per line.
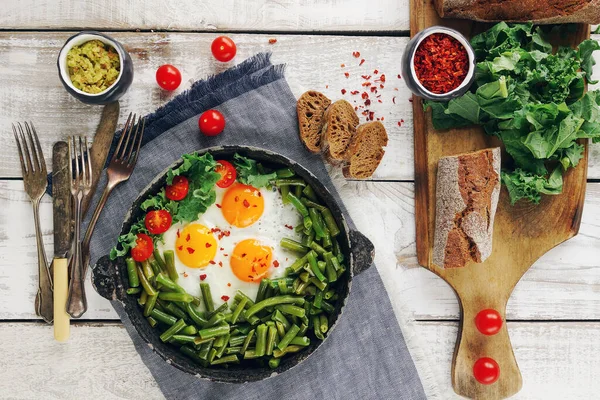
<point>365,151</point>
<point>311,108</point>
<point>467,192</point>
<point>337,132</point>
<point>537,11</point>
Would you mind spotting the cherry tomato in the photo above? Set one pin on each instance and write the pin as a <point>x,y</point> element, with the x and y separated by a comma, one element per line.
<point>227,172</point>
<point>486,370</point>
<point>223,48</point>
<point>178,189</point>
<point>168,77</point>
<point>211,123</point>
<point>488,322</point>
<point>158,221</point>
<point>143,247</point>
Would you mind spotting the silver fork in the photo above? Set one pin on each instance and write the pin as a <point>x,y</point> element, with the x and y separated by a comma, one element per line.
<point>34,179</point>
<point>80,169</point>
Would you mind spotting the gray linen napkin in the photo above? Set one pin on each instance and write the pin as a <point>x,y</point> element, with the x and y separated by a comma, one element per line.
<point>365,357</point>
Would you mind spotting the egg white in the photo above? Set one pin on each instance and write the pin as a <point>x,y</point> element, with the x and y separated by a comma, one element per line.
<point>269,230</point>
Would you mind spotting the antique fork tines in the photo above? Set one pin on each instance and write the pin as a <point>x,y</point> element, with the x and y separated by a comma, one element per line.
<point>34,171</point>
<point>80,169</point>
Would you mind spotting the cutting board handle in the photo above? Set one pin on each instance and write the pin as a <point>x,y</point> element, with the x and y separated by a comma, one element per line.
<point>483,351</point>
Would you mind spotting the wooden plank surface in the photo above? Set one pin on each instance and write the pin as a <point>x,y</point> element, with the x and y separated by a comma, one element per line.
<point>228,15</point>
<point>557,360</point>
<point>562,285</point>
<point>31,58</point>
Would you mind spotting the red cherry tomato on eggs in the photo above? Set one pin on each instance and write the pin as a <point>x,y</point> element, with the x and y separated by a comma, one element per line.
<point>227,172</point>
<point>223,48</point>
<point>486,370</point>
<point>178,189</point>
<point>143,247</point>
<point>168,77</point>
<point>158,221</point>
<point>211,123</point>
<point>488,322</point>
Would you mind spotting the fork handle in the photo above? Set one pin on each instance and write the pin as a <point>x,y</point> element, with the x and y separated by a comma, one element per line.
<point>77,302</point>
<point>44,304</point>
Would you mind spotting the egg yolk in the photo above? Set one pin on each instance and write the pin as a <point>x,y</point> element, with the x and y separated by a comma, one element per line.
<point>242,205</point>
<point>195,246</point>
<point>250,260</point>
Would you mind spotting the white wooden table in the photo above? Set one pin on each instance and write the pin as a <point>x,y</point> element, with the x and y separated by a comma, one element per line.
<point>554,313</point>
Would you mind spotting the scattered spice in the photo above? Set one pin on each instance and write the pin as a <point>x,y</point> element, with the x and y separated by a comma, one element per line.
<point>290,227</point>
<point>362,61</point>
<point>228,284</point>
<point>346,74</point>
<point>202,277</point>
<point>343,66</point>
<point>272,41</point>
<point>246,203</point>
<point>225,298</point>
<point>343,91</point>
<point>208,245</point>
<point>276,263</point>
<point>376,72</point>
<point>355,92</point>
<point>356,54</point>
<point>212,262</point>
<point>190,250</point>
<point>394,99</point>
<point>399,77</point>
<point>365,95</point>
<point>185,275</point>
<point>441,63</point>
<point>218,206</point>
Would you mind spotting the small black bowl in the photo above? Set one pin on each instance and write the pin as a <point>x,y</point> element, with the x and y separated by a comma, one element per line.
<point>408,60</point>
<point>116,90</point>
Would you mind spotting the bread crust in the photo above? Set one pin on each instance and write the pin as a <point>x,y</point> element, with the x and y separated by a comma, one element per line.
<point>365,151</point>
<point>337,132</point>
<point>537,11</point>
<point>311,108</point>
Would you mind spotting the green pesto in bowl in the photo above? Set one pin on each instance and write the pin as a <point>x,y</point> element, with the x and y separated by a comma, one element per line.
<point>93,66</point>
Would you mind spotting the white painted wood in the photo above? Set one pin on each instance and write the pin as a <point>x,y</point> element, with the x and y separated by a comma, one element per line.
<point>255,15</point>
<point>30,89</point>
<point>562,285</point>
<point>558,360</point>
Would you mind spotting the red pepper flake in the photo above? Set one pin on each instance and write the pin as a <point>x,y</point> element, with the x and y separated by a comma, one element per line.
<point>362,61</point>
<point>237,198</point>
<point>346,74</point>
<point>355,92</point>
<point>212,262</point>
<point>365,95</point>
<point>401,120</point>
<point>225,298</point>
<point>290,227</point>
<point>208,245</point>
<point>221,264</point>
<point>190,250</point>
<point>246,203</point>
<point>375,72</point>
<point>441,63</point>
<point>221,249</point>
<point>371,115</point>
<point>272,41</point>
<point>243,255</point>
<point>219,206</point>
<point>276,263</point>
<point>187,238</point>
<point>356,54</point>
<point>379,101</point>
<point>326,86</point>
<point>228,284</point>
<point>185,275</point>
<point>202,277</point>
<point>225,255</point>
<point>180,248</point>
<point>366,84</point>
<point>343,65</point>
<point>355,108</point>
<point>343,91</point>
<point>373,89</point>
<point>394,99</point>
<point>399,77</point>
<point>258,193</point>
<point>382,118</point>
<point>366,77</point>
<point>177,232</point>
<point>368,102</point>
<point>382,78</point>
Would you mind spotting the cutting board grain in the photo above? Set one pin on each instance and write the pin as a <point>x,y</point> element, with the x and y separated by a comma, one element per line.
<point>522,233</point>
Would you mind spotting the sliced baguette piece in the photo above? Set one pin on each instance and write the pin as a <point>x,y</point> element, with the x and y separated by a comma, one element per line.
<point>337,132</point>
<point>467,193</point>
<point>365,151</point>
<point>311,108</point>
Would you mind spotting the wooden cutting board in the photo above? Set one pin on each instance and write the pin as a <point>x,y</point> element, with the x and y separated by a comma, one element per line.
<point>522,233</point>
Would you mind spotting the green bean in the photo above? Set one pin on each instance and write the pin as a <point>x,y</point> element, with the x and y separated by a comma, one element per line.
<point>221,309</point>
<point>211,355</point>
<point>132,273</point>
<point>330,272</point>
<point>262,289</point>
<point>286,280</point>
<point>198,341</point>
<point>168,283</point>
<point>277,316</point>
<point>252,320</point>
<point>239,295</point>
<point>304,276</point>
<point>329,294</point>
<point>341,271</point>
<point>327,307</point>
<point>189,330</point>
<point>284,194</point>
<point>309,192</point>
<point>299,263</point>
<point>247,342</point>
<point>317,327</point>
<point>170,264</point>
<point>171,308</point>
<point>280,328</point>
<point>152,321</point>
<point>312,261</point>
<point>283,287</point>
<point>214,331</point>
<point>250,354</point>
<point>292,245</point>
<point>145,282</point>
<point>238,310</point>
<point>197,301</point>
<point>154,265</point>
<point>147,269</point>
<point>233,350</point>
<point>163,317</point>
<point>303,329</point>
<point>274,363</point>
<point>237,340</point>
<point>269,293</point>
<point>232,358</point>
<point>290,349</point>
<point>290,334</point>
<point>299,228</point>
<point>321,265</point>
<point>168,334</point>
<point>221,340</point>
<point>273,301</point>
<point>298,191</point>
<point>308,239</point>
<point>323,323</point>
<point>290,182</point>
<point>326,240</point>
<point>301,288</point>
<point>337,251</point>
<point>183,339</point>
<point>143,298</point>
<point>307,222</point>
<point>195,315</point>
<point>300,341</point>
<point>215,320</point>
<point>317,223</point>
<point>149,306</point>
<point>134,290</point>
<point>320,285</point>
<point>317,302</point>
<point>261,340</point>
<point>317,248</point>
<point>330,222</point>
<point>285,173</point>
<point>334,262</point>
<point>207,296</point>
<point>223,347</point>
<point>298,204</point>
<point>205,349</point>
<point>160,260</point>
<point>173,296</point>
<point>312,204</point>
<point>271,335</point>
<point>291,310</point>
<point>191,353</point>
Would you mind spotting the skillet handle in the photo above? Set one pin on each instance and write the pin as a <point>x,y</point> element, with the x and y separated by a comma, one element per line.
<point>105,278</point>
<point>363,252</point>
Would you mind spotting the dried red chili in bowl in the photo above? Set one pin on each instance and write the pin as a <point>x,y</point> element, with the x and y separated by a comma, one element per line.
<point>438,64</point>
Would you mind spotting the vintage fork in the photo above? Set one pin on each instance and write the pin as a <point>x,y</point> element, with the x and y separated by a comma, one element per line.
<point>34,179</point>
<point>119,170</point>
<point>80,170</point>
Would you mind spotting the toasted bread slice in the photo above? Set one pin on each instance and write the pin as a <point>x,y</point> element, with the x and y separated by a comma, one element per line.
<point>339,129</point>
<point>365,151</point>
<point>311,108</point>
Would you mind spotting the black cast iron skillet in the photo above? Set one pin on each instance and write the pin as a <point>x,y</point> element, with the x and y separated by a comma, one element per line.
<point>110,277</point>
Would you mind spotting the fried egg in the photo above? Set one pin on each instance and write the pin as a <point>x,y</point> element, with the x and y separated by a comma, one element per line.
<point>235,243</point>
